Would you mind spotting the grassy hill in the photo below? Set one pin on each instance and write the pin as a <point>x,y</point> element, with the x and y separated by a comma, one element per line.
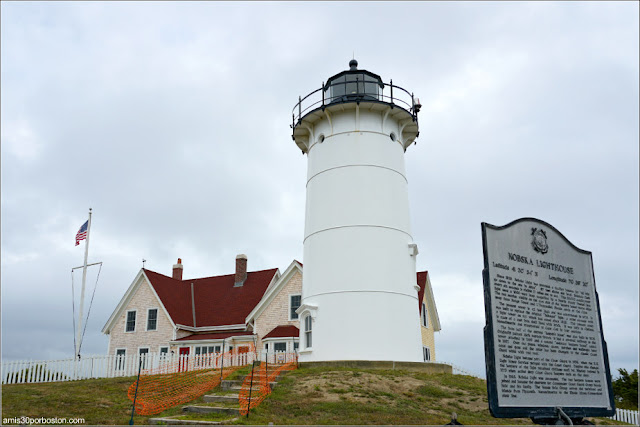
<point>305,396</point>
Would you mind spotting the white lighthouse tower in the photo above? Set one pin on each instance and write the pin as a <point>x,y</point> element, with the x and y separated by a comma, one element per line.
<point>359,291</point>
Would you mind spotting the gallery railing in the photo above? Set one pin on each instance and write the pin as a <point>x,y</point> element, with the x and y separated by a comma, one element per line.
<point>358,90</point>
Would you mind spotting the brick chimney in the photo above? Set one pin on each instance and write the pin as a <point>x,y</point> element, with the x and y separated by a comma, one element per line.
<point>177,270</point>
<point>241,269</point>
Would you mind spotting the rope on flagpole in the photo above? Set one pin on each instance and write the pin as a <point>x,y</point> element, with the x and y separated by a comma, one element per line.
<point>73,307</point>
<point>89,310</point>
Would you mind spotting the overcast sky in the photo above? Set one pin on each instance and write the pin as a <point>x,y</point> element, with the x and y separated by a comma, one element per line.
<point>171,120</point>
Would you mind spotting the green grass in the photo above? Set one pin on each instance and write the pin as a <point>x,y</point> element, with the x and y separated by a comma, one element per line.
<point>101,401</point>
<point>305,396</point>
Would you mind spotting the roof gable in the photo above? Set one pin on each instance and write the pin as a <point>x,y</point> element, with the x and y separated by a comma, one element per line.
<point>138,281</point>
<point>273,290</point>
<point>283,331</point>
<point>217,301</point>
<point>426,293</point>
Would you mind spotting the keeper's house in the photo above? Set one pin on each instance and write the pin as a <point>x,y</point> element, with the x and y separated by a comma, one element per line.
<point>166,314</point>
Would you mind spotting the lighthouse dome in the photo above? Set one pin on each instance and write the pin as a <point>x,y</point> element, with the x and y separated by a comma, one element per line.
<point>353,85</point>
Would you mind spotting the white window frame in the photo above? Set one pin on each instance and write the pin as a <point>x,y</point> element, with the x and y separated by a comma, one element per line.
<point>426,353</point>
<point>306,309</point>
<point>202,360</point>
<point>147,361</point>
<point>424,318</point>
<point>162,356</point>
<point>121,360</point>
<point>268,344</point>
<point>207,347</point>
<point>157,313</point>
<point>308,334</point>
<point>126,321</point>
<point>289,311</point>
<point>280,342</point>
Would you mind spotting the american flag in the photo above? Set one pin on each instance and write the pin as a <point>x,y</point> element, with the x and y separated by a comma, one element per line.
<point>82,233</point>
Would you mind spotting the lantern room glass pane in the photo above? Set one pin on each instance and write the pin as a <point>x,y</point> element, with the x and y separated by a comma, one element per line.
<point>352,85</point>
<point>337,88</point>
<point>349,85</point>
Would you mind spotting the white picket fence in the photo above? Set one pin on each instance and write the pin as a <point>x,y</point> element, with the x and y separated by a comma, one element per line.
<point>41,371</point>
<point>626,416</point>
<point>457,370</point>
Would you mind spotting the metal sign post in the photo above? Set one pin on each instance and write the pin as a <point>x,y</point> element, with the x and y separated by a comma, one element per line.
<point>135,396</point>
<point>253,364</point>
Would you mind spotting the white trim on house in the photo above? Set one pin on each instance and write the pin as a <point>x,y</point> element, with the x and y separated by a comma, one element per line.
<point>312,309</point>
<point>273,290</point>
<point>237,338</point>
<point>431,305</point>
<point>211,328</point>
<point>126,299</point>
<point>274,280</point>
<point>126,321</point>
<point>157,318</point>
<point>289,341</point>
<point>305,310</point>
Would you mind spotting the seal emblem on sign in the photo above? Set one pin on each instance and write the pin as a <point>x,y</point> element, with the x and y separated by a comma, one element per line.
<point>539,240</point>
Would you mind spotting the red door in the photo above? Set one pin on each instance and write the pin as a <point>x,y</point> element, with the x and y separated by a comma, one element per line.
<point>183,363</point>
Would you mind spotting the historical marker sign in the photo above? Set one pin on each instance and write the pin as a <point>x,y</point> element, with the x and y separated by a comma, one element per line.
<point>544,346</point>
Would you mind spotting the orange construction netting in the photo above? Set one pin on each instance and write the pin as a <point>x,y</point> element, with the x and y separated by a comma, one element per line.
<point>257,384</point>
<point>183,378</point>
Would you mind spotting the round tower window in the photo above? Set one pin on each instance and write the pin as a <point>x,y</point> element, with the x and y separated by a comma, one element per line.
<point>321,138</point>
<point>392,136</point>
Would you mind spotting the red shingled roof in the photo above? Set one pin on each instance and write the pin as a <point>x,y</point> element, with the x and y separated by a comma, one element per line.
<point>217,301</point>
<point>214,336</point>
<point>422,282</point>
<point>283,331</point>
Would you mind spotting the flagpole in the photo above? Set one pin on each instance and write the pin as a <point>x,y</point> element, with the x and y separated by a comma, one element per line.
<point>84,281</point>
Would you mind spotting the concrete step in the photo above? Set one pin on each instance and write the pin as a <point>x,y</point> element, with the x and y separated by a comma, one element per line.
<point>226,384</point>
<point>230,398</point>
<point>173,420</point>
<point>254,388</point>
<point>235,385</point>
<point>210,410</point>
